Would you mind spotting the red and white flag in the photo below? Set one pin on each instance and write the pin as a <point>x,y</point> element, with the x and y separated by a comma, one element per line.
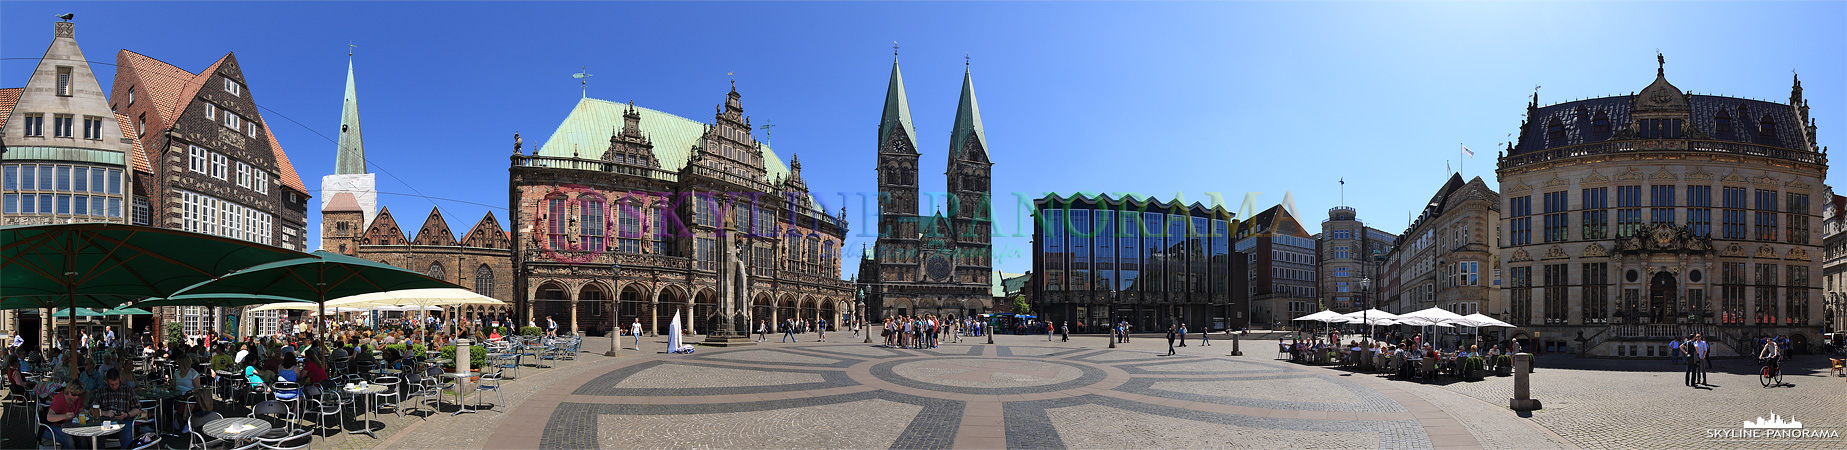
<point>1465,150</point>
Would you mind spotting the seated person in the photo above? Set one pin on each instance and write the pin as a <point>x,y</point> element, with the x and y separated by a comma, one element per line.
<point>90,377</point>
<point>287,373</point>
<point>315,369</point>
<point>119,405</point>
<point>64,407</point>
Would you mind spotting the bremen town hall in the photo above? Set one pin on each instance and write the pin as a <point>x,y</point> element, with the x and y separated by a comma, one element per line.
<point>1634,219</point>
<point>937,263</point>
<point>631,214</point>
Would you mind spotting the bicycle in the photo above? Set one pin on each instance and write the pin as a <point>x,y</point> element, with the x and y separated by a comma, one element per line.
<point>1771,375</point>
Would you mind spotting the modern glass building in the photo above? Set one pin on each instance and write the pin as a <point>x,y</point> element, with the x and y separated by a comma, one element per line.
<point>1145,261</point>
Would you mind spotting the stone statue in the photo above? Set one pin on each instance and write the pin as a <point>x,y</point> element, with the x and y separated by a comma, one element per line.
<point>516,143</point>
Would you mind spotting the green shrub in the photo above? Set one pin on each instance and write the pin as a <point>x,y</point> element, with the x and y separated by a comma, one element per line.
<point>175,332</point>
<point>1473,363</point>
<point>531,331</point>
<point>477,355</point>
<point>404,350</point>
<point>1504,361</point>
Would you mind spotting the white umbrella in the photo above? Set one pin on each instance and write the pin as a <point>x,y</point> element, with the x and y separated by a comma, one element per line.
<point>1479,320</point>
<point>415,297</point>
<point>1370,316</point>
<point>300,306</point>
<point>1324,316</point>
<point>408,308</point>
<point>1437,315</point>
<point>1418,322</point>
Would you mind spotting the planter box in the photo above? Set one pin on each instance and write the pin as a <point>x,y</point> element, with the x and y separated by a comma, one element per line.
<point>1472,374</point>
<point>1503,371</point>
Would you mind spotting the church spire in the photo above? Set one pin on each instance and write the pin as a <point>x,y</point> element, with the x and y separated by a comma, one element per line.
<point>897,111</point>
<point>351,156</point>
<point>968,121</point>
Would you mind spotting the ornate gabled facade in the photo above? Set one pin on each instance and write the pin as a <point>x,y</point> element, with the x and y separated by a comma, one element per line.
<point>1446,258</point>
<point>1634,219</point>
<point>938,263</point>
<point>1834,260</point>
<point>68,157</point>
<point>627,213</point>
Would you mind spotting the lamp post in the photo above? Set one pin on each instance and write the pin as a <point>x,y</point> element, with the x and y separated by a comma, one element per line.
<point>1111,313</point>
<point>615,321</point>
<point>1365,312</point>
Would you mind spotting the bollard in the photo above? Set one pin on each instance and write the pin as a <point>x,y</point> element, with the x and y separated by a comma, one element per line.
<point>1234,346</point>
<point>1523,390</point>
<point>462,357</point>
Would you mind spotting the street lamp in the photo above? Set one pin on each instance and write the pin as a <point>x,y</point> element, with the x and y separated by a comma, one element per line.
<point>1111,313</point>
<point>615,321</point>
<point>1365,311</point>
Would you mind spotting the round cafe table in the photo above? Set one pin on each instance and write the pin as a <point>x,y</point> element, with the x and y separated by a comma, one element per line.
<point>371,410</point>
<point>95,433</point>
<point>460,381</point>
<point>247,427</point>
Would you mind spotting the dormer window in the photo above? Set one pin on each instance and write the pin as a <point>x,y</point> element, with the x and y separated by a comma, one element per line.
<point>1766,126</point>
<point>1723,122</point>
<point>1600,123</point>
<point>1555,131</point>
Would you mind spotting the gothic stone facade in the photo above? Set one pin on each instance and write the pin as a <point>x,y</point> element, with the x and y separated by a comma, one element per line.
<point>633,214</point>
<point>1633,219</point>
<point>482,260</point>
<point>937,264</point>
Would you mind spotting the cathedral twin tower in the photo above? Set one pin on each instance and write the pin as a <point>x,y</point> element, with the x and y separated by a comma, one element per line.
<point>931,263</point>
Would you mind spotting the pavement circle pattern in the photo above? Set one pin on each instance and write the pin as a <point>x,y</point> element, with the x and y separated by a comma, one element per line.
<point>823,395</point>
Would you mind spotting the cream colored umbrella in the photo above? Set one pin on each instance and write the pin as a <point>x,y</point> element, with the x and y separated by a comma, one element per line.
<point>415,297</point>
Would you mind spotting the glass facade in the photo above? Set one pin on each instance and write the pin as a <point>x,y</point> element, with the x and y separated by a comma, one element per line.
<point>1157,263</point>
<point>62,190</point>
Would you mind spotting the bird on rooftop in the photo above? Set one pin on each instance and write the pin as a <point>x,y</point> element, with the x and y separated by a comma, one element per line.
<point>67,16</point>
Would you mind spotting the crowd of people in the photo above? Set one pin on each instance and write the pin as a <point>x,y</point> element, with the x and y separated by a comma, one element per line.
<point>927,331</point>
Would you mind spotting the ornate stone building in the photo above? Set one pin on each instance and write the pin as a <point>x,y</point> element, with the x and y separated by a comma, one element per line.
<point>68,156</point>
<point>630,213</point>
<point>939,264</point>
<point>1446,257</point>
<point>1350,251</point>
<point>1834,260</point>
<point>1633,219</point>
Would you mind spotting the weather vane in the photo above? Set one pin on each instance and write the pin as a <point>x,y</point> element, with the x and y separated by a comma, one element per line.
<point>583,80</point>
<point>350,47</point>
<point>964,59</point>
<point>894,48</point>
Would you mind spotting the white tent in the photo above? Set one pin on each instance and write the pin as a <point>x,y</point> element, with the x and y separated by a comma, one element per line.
<point>1479,320</point>
<point>1324,316</point>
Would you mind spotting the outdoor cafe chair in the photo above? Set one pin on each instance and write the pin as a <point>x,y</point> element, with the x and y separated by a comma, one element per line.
<point>509,361</point>
<point>279,416</point>
<point>151,420</point>
<point>197,440</point>
<point>323,403</point>
<point>433,387</point>
<point>286,392</point>
<point>482,385</point>
<point>390,394</point>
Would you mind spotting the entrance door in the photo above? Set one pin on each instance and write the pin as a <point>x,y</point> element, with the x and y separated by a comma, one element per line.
<point>1663,298</point>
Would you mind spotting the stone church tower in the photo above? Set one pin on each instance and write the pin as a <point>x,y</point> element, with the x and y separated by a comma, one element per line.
<point>938,263</point>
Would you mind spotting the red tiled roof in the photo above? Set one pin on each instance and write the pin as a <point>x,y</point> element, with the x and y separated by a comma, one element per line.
<point>8,98</point>
<point>342,202</point>
<point>161,83</point>
<point>191,90</point>
<point>137,157</point>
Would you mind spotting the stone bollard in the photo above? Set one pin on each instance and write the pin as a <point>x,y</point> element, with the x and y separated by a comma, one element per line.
<point>462,358</point>
<point>1523,390</point>
<point>1234,346</point>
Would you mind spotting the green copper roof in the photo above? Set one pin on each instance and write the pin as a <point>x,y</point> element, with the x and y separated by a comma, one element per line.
<point>350,158</point>
<point>897,110</point>
<point>999,283</point>
<point>968,119</point>
<point>586,131</point>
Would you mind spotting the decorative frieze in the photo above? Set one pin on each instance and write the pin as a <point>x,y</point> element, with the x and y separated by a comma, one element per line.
<point>1764,251</point>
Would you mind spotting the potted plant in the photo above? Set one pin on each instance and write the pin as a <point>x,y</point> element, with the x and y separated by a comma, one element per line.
<point>531,331</point>
<point>1503,365</point>
<point>1472,367</point>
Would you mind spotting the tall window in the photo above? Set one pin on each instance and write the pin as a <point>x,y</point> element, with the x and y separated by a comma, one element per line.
<point>220,165</point>
<point>1596,303</point>
<point>64,81</point>
<point>436,271</point>
<point>1796,307</point>
<point>1629,211</point>
<point>1521,227</point>
<point>705,252</point>
<point>555,221</point>
<point>1596,217</point>
<point>1699,210</point>
<point>35,124</point>
<point>61,125</point>
<point>1557,286</point>
<point>1052,243</point>
<point>484,280</point>
<point>628,228</point>
<point>1798,218</point>
<point>1078,234</point>
<point>1468,273</point>
<point>1661,200</point>
<point>1557,221</point>
<point>1734,213</point>
<point>1731,293</point>
<point>243,175</point>
<point>657,221</point>
<point>1765,287</point>
<point>590,223</point>
<point>92,128</point>
<point>1521,307</point>
<point>1766,215</point>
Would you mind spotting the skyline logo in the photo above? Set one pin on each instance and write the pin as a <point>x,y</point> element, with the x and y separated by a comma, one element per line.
<point>1776,428</point>
<point>1774,422</point>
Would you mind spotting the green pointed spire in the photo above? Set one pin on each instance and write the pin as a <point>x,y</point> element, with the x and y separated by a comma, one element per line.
<point>968,120</point>
<point>897,110</point>
<point>351,156</point>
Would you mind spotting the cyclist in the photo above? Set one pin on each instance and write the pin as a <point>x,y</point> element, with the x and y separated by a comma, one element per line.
<point>1770,355</point>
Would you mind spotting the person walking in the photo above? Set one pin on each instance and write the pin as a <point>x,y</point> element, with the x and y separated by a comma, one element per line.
<point>1170,340</point>
<point>1183,335</point>
<point>788,331</point>
<point>1205,337</point>
<point>762,334</point>
<point>1064,331</point>
<point>635,330</point>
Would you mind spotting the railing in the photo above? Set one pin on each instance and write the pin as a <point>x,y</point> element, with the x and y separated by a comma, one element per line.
<point>1605,148</point>
<point>594,165</point>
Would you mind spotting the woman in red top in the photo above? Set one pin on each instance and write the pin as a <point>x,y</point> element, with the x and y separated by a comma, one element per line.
<point>64,407</point>
<point>315,370</point>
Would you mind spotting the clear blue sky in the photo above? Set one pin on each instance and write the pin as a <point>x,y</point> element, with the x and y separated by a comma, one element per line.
<point>1153,98</point>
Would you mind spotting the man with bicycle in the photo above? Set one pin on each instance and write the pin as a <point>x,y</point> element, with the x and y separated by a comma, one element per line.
<point>1769,356</point>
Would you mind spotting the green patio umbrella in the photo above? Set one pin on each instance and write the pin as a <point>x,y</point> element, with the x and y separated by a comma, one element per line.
<point>126,311</point>
<point>102,265</point>
<point>217,300</point>
<point>321,276</point>
<point>81,312</point>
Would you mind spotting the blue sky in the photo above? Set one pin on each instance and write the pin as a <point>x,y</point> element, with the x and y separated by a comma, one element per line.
<point>1154,98</point>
